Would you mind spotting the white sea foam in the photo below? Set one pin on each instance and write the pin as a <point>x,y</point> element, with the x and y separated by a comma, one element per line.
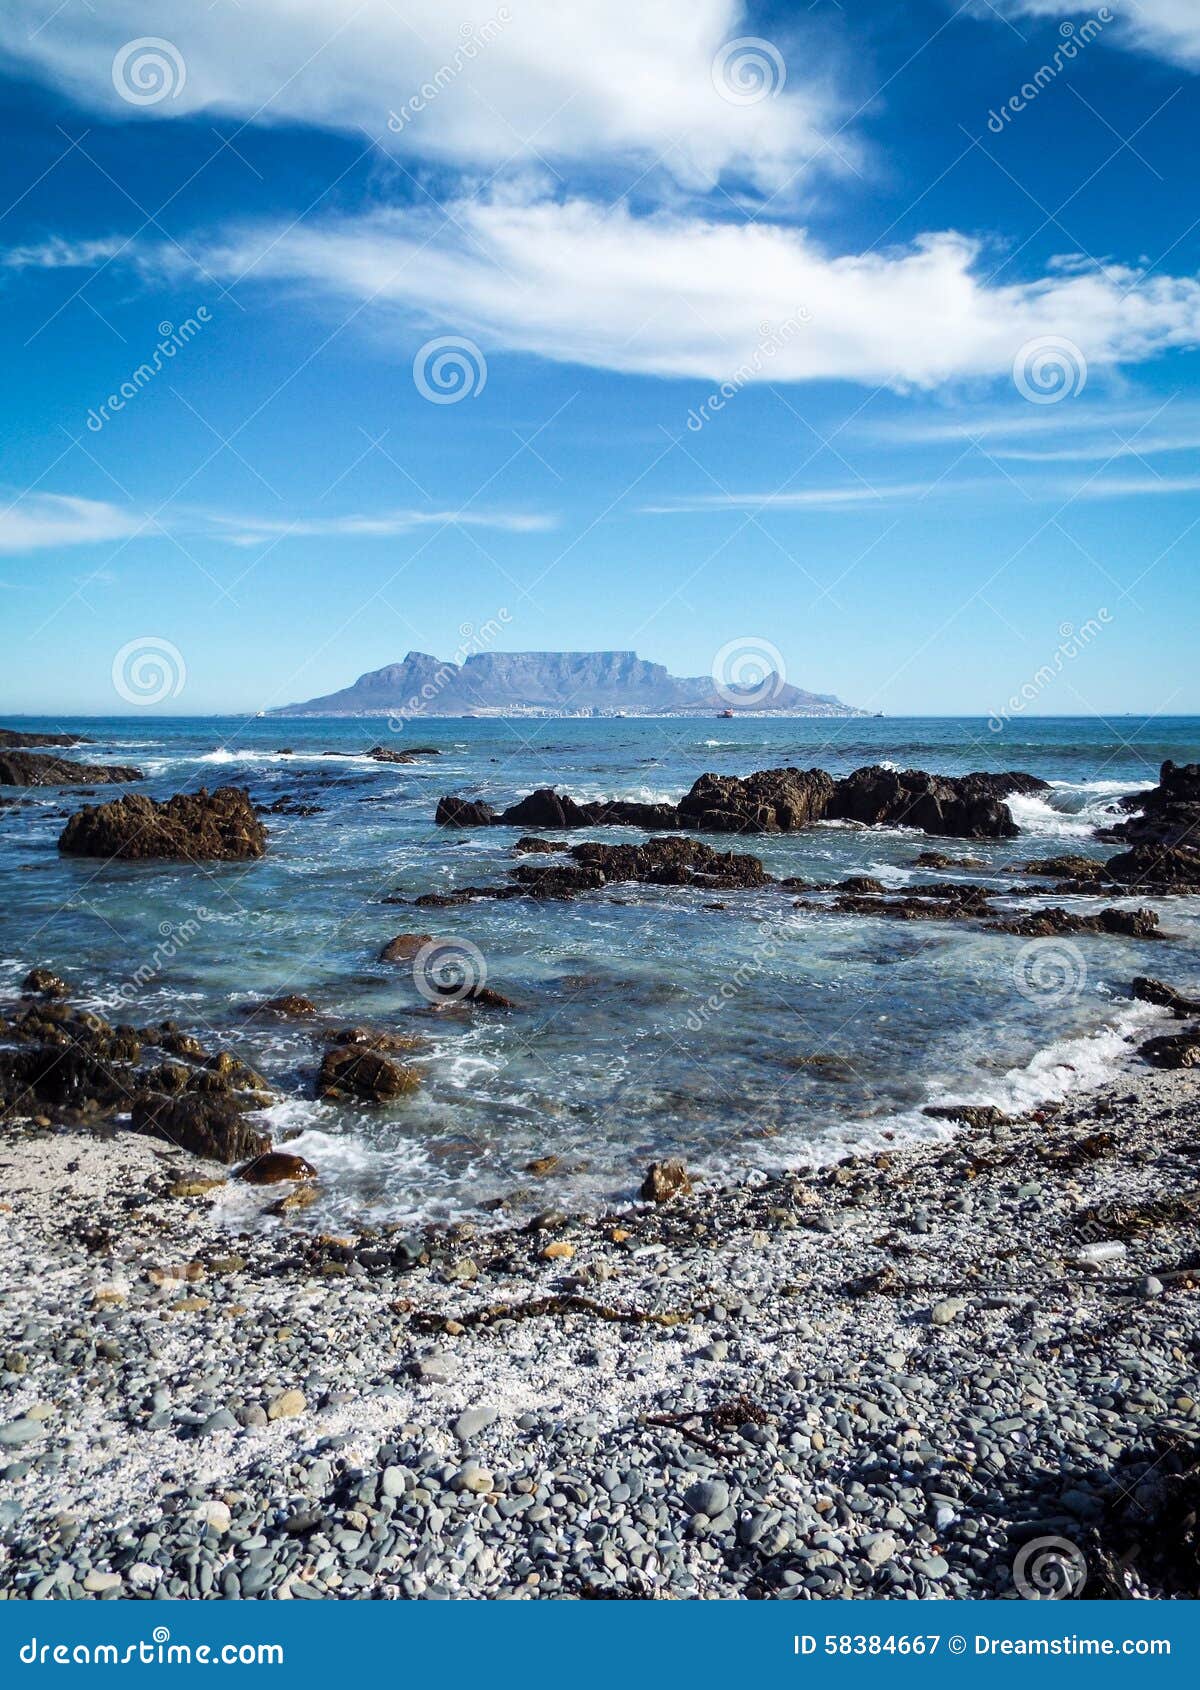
<point>1037,817</point>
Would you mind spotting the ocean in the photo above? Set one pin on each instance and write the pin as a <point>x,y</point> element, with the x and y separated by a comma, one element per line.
<point>647,1023</point>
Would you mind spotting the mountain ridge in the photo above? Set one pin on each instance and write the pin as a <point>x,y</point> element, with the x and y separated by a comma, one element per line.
<point>556,683</point>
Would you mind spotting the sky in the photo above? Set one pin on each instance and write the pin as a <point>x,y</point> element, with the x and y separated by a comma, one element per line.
<point>865,333</point>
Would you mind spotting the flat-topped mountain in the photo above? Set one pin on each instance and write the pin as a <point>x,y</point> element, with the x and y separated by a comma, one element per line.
<point>555,683</point>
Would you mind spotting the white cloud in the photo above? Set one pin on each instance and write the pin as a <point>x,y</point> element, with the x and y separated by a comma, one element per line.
<point>620,79</point>
<point>249,531</point>
<point>1168,28</point>
<point>672,295</point>
<point>36,521</point>
<point>1068,433</point>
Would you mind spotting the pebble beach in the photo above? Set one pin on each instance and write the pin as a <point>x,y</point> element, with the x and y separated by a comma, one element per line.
<point>899,1375</point>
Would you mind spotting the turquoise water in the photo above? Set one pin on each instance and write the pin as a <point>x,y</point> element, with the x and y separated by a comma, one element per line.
<point>647,1023</point>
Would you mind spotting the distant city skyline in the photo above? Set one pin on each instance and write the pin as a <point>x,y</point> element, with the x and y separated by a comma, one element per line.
<point>868,335</point>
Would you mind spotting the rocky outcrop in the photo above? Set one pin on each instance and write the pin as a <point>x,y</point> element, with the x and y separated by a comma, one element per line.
<point>771,801</point>
<point>464,812</point>
<point>1169,814</point>
<point>1162,869</point>
<point>31,768</point>
<point>958,806</point>
<point>191,827</point>
<point>779,801</point>
<point>10,737</point>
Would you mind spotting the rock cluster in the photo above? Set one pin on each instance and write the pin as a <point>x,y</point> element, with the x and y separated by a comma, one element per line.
<point>780,801</point>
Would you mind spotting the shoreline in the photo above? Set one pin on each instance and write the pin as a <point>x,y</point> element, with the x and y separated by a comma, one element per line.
<point>875,1379</point>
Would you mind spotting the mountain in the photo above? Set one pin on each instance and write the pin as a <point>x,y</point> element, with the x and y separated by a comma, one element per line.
<point>554,683</point>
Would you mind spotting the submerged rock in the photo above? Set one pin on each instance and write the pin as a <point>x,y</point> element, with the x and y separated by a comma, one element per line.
<point>190,827</point>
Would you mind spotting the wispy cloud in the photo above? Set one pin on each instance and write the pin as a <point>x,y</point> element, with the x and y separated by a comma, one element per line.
<point>1168,28</point>
<point>35,521</point>
<point>249,531</point>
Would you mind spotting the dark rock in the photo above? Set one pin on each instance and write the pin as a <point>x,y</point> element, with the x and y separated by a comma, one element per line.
<point>969,1114</point>
<point>1156,991</point>
<point>1169,813</point>
<point>191,827</point>
<point>673,861</point>
<point>1173,1050</point>
<point>404,947</point>
<point>965,806</point>
<point>44,984</point>
<point>771,801</point>
<point>1055,923</point>
<point>292,1006</point>
<point>29,768</point>
<point>665,1180</point>
<point>464,812</point>
<point>367,1038</point>
<point>1162,869</point>
<point>351,1071</point>
<point>527,845</point>
<point>10,737</point>
<point>939,859</point>
<point>212,1126</point>
<point>275,1166</point>
<point>1067,868</point>
<point>780,801</point>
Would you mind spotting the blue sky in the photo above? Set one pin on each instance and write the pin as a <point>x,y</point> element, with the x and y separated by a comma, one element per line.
<point>957,327</point>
